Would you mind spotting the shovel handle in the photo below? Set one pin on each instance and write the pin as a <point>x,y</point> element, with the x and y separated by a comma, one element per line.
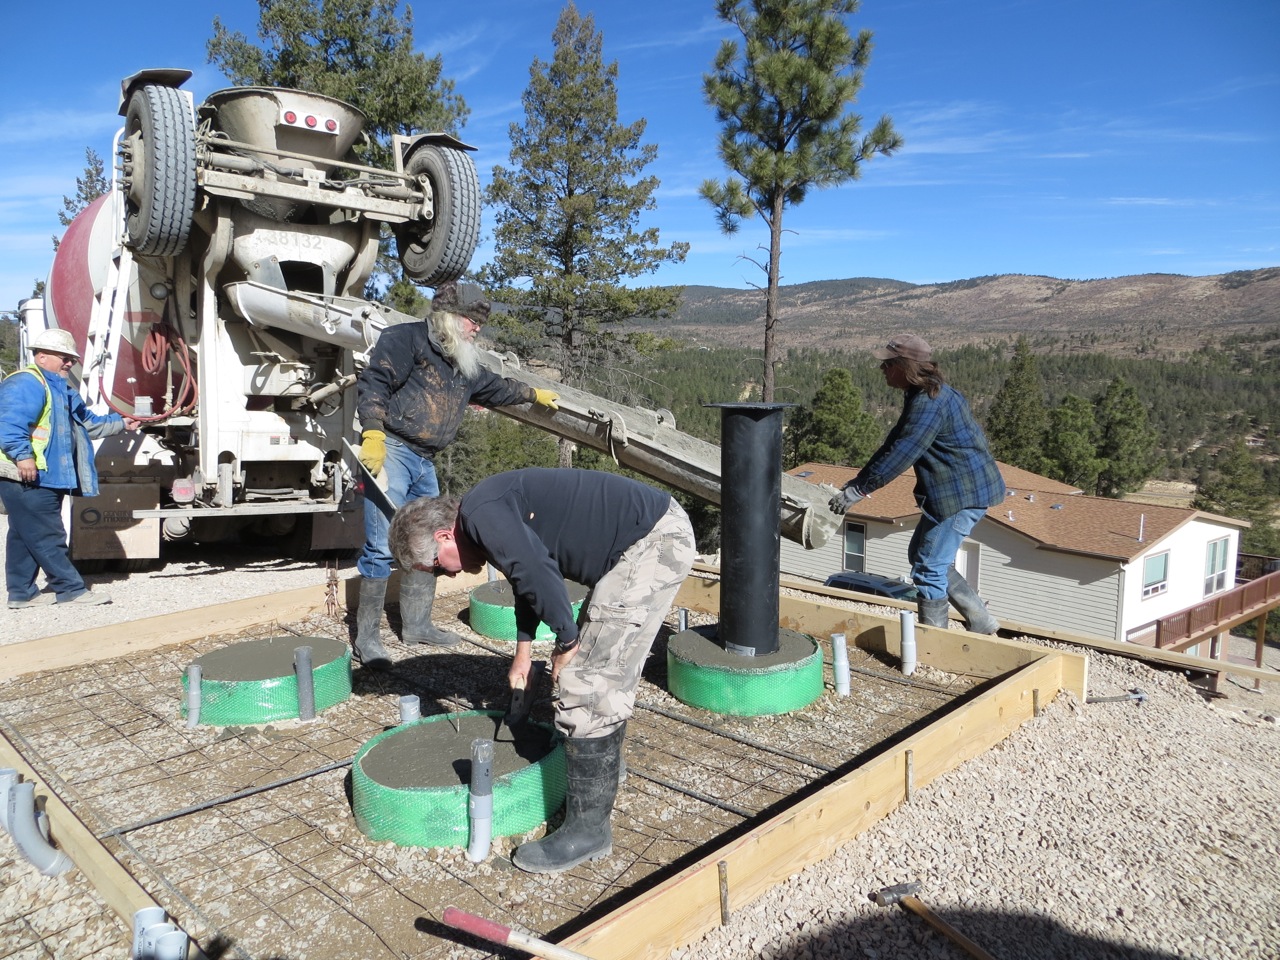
<point>916,906</point>
<point>502,934</point>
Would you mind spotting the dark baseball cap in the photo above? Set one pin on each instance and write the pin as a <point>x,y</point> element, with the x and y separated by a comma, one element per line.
<point>905,345</point>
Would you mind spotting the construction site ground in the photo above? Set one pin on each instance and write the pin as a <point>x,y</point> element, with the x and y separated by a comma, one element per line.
<point>246,835</point>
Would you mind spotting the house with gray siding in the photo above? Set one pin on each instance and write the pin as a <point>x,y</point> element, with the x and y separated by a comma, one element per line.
<point>1049,557</point>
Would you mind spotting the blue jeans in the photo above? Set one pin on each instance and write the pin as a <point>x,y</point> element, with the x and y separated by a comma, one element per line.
<point>37,541</point>
<point>409,477</point>
<point>933,547</point>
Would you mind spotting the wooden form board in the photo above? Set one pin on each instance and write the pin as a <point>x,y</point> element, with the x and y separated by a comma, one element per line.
<point>139,636</point>
<point>687,905</point>
<point>955,651</point>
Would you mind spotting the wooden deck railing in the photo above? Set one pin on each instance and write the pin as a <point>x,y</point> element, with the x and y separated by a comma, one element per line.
<point>1232,605</point>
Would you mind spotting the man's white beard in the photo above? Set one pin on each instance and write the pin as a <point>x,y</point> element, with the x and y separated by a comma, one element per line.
<point>467,359</point>
<point>458,348</point>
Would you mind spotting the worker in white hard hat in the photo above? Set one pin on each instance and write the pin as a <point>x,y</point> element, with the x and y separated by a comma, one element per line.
<point>46,455</point>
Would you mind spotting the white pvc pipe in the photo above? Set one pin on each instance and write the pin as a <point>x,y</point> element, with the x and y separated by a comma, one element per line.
<point>194,676</point>
<point>26,833</point>
<point>410,708</point>
<point>143,920</point>
<point>908,622</point>
<point>840,663</point>
<point>480,800</point>
<point>8,777</point>
<point>306,683</point>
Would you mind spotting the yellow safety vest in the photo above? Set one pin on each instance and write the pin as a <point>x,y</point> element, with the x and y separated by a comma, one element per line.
<point>44,426</point>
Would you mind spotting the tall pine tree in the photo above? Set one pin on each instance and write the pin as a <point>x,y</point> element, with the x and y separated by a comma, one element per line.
<point>833,428</point>
<point>1235,487</point>
<point>1126,441</point>
<point>89,187</point>
<point>1016,421</point>
<point>567,236</point>
<point>1071,443</point>
<point>781,99</point>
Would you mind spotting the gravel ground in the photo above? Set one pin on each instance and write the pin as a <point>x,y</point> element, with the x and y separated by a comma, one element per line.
<point>1099,830</point>
<point>192,576</point>
<point>1112,830</point>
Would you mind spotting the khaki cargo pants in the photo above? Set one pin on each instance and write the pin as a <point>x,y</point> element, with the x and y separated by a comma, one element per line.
<point>618,624</point>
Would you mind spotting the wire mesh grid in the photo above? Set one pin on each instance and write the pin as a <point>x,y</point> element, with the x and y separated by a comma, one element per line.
<point>246,834</point>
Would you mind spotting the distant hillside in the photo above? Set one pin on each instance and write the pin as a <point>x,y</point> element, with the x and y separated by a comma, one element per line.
<point>1156,314</point>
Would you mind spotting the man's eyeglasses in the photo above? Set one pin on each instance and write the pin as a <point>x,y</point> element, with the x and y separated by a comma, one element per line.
<point>886,364</point>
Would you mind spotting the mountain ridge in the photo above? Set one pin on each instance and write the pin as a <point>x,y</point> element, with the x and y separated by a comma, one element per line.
<point>1154,313</point>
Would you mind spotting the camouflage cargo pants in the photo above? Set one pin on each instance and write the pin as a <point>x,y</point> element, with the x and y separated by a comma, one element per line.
<point>618,624</point>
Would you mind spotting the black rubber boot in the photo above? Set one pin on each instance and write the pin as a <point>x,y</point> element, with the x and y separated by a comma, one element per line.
<point>933,613</point>
<point>592,767</point>
<point>417,597</point>
<point>971,606</point>
<point>368,648</point>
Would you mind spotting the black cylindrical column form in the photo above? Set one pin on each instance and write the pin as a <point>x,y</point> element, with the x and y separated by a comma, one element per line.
<point>750,509</point>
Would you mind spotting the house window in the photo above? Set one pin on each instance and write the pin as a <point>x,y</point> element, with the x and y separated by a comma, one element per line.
<point>1215,567</point>
<point>855,547</point>
<point>1155,575</point>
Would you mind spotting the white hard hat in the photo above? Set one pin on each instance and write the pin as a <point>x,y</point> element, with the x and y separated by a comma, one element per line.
<point>55,341</point>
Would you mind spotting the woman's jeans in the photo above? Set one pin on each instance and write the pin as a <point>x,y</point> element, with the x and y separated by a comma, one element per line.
<point>409,477</point>
<point>933,548</point>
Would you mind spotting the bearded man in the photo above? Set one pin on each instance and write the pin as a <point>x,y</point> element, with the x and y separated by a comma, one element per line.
<point>410,400</point>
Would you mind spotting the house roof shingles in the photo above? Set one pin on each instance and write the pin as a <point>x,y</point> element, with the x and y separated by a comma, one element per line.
<point>1054,515</point>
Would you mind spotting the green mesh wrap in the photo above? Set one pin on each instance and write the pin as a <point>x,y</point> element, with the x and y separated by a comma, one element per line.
<point>253,682</point>
<point>437,816</point>
<point>493,610</point>
<point>749,690</point>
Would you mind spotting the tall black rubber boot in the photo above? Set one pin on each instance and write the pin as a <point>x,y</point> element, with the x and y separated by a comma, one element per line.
<point>592,768</point>
<point>417,597</point>
<point>971,606</point>
<point>933,613</point>
<point>368,646</point>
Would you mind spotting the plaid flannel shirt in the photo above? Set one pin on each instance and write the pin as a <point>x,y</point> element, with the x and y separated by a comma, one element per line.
<point>941,439</point>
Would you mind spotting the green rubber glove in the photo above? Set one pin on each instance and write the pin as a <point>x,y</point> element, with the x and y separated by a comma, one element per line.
<point>373,450</point>
<point>546,398</point>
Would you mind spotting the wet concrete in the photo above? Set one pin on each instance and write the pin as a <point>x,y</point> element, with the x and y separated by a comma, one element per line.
<point>266,659</point>
<point>438,753</point>
<point>703,647</point>
<point>498,593</point>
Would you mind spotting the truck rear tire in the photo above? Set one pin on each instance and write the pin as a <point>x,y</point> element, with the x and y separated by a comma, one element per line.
<point>440,249</point>
<point>160,185</point>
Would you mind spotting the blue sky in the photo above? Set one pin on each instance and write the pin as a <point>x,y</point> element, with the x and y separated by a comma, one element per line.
<point>1078,140</point>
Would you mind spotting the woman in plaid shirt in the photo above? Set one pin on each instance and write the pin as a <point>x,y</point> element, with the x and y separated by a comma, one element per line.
<point>956,477</point>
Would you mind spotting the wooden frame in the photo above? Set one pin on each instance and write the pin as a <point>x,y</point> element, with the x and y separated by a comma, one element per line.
<point>682,908</point>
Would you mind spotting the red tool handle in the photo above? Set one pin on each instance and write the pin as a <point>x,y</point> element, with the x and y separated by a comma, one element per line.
<point>498,933</point>
<point>476,926</point>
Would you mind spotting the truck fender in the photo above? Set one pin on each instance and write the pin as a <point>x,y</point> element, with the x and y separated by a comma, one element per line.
<point>160,76</point>
<point>410,145</point>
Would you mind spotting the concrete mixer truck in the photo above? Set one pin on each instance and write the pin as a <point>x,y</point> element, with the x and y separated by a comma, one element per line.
<point>217,295</point>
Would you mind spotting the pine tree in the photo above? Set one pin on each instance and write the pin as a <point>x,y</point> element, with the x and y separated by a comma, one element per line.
<point>781,100</point>
<point>89,188</point>
<point>1071,443</point>
<point>1235,487</point>
<point>833,428</point>
<point>1017,420</point>
<point>567,211</point>
<point>1126,442</point>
